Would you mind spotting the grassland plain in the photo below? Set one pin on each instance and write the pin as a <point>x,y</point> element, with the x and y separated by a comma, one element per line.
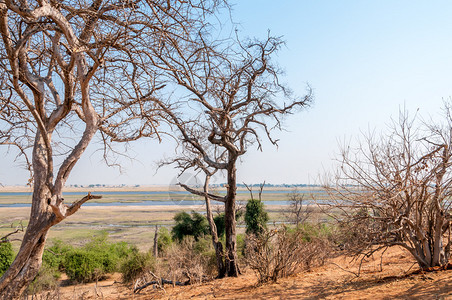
<point>132,224</point>
<point>130,221</point>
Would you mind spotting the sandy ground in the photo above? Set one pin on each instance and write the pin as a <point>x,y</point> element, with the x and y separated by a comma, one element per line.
<point>332,281</point>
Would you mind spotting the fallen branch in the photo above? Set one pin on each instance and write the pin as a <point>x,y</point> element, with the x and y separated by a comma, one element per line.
<point>348,271</point>
<point>447,266</point>
<point>161,282</point>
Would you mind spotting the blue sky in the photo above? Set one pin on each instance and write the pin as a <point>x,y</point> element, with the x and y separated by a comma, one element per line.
<point>363,59</point>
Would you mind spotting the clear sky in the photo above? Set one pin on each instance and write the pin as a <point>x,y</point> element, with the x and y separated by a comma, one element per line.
<point>364,60</point>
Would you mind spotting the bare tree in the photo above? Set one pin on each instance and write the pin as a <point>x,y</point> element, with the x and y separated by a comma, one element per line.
<point>70,70</point>
<point>297,213</point>
<point>395,189</point>
<point>235,99</point>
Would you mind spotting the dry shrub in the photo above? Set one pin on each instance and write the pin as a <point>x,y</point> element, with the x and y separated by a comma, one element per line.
<point>189,261</point>
<point>281,252</point>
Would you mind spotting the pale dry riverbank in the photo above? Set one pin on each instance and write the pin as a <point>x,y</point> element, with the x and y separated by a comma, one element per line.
<point>134,224</point>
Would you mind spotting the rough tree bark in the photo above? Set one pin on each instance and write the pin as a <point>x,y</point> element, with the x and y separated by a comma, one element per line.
<point>232,268</point>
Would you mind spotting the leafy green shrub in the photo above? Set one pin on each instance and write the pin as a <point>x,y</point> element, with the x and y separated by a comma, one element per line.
<point>84,266</point>
<point>164,240</point>
<point>6,256</point>
<point>255,217</point>
<point>95,259</point>
<point>136,264</point>
<point>241,239</point>
<point>195,225</point>
<point>122,249</point>
<point>220,223</point>
<point>203,244</point>
<point>53,256</point>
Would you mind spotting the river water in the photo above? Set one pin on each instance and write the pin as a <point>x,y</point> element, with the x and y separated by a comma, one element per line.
<point>129,198</point>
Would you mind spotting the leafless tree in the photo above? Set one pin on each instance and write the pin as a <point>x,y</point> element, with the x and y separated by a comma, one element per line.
<point>297,212</point>
<point>235,99</point>
<point>395,189</point>
<point>70,70</point>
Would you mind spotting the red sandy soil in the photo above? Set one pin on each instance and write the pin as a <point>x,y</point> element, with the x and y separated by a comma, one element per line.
<point>334,280</point>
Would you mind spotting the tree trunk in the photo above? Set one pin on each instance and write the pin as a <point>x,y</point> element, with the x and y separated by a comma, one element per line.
<point>47,209</point>
<point>213,232</point>
<point>439,257</point>
<point>232,269</point>
<point>156,239</point>
<point>26,265</point>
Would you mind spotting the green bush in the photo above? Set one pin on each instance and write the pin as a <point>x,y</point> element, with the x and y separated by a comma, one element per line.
<point>84,266</point>
<point>241,238</point>
<point>203,244</point>
<point>6,256</point>
<point>195,225</point>
<point>136,264</point>
<point>164,240</point>
<point>96,259</point>
<point>53,256</point>
<point>122,249</point>
<point>220,224</point>
<point>255,217</point>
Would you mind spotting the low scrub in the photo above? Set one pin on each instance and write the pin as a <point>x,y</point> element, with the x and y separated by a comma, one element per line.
<point>190,260</point>
<point>135,265</point>
<point>281,252</point>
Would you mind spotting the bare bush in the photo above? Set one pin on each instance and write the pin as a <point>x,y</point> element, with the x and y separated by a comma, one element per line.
<point>190,261</point>
<point>395,189</point>
<point>282,252</point>
<point>299,211</point>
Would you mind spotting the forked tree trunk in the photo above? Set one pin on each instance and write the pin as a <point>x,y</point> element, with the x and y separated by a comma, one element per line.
<point>219,253</point>
<point>47,209</point>
<point>232,269</point>
<point>430,250</point>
